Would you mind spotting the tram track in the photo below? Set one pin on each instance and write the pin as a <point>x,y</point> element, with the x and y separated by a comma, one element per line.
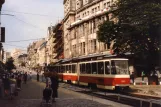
<point>121,96</point>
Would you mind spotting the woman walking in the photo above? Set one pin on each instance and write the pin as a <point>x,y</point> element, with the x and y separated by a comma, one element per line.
<point>54,85</point>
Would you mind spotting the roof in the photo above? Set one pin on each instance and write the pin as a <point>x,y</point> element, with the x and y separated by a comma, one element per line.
<point>39,43</point>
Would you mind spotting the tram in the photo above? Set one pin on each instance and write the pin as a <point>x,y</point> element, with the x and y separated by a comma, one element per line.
<point>103,74</point>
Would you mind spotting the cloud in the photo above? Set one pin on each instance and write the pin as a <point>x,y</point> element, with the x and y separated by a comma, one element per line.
<point>25,26</point>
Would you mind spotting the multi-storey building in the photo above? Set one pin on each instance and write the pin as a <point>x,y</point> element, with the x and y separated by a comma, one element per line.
<point>50,44</point>
<point>33,52</point>
<point>81,21</point>
<point>58,42</point>
<point>55,44</point>
<point>42,54</point>
<point>6,56</point>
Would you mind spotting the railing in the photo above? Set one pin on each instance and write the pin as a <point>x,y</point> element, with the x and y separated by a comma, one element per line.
<point>141,100</point>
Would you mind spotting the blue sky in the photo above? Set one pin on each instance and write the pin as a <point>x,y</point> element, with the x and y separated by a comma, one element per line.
<point>27,26</point>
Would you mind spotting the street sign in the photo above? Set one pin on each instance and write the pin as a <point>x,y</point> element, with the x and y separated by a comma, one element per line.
<point>2,38</point>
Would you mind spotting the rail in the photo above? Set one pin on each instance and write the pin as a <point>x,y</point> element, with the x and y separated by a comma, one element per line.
<point>141,100</point>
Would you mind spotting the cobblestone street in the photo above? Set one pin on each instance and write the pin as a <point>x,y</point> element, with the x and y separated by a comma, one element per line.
<point>31,96</point>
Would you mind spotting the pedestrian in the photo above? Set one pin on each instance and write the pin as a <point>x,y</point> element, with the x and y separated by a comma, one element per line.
<point>6,85</point>
<point>37,76</point>
<point>54,85</point>
<point>30,75</point>
<point>143,75</point>
<point>132,77</point>
<point>25,77</point>
<point>1,87</point>
<point>18,81</point>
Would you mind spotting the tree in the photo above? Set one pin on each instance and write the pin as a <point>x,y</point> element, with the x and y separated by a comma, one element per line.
<point>10,64</point>
<point>137,29</point>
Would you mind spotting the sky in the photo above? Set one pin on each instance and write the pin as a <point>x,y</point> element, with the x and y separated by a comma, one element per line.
<point>28,20</point>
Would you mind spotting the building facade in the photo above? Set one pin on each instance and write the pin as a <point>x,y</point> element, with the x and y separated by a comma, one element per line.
<point>34,52</point>
<point>50,44</point>
<point>81,21</point>
<point>6,56</point>
<point>58,42</point>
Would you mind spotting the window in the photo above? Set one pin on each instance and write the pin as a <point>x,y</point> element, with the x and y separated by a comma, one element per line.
<point>73,68</point>
<point>94,68</point>
<point>94,44</point>
<point>98,8</point>
<point>67,69</point>
<point>107,67</point>
<point>88,68</point>
<point>104,5</point>
<point>82,69</point>
<point>100,68</point>
<point>83,47</point>
<point>92,10</point>
<point>70,70</point>
<point>105,47</point>
<point>119,67</point>
<point>62,69</point>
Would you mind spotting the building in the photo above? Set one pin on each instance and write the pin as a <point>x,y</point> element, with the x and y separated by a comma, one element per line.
<point>81,21</point>
<point>42,54</point>
<point>22,60</point>
<point>49,52</point>
<point>55,44</point>
<point>34,52</point>
<point>15,54</point>
<point>6,56</point>
<point>58,42</point>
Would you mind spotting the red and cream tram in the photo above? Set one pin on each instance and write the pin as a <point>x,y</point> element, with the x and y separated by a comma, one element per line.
<point>104,74</point>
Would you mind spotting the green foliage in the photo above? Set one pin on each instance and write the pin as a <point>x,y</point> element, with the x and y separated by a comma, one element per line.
<point>10,64</point>
<point>137,29</point>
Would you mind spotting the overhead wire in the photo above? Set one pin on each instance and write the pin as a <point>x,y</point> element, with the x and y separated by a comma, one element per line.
<point>14,45</point>
<point>29,23</point>
<point>25,40</point>
<point>26,13</point>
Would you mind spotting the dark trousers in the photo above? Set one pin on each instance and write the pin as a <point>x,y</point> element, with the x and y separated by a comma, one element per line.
<point>55,93</point>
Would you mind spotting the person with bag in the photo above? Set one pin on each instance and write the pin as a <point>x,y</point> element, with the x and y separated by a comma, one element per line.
<point>54,85</point>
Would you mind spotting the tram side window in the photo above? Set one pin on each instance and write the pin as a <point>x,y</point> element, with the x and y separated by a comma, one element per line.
<point>88,68</point>
<point>107,67</point>
<point>70,69</point>
<point>100,68</point>
<point>73,68</point>
<point>82,68</point>
<point>62,69</point>
<point>66,69</point>
<point>58,69</point>
<point>94,68</point>
<point>113,68</point>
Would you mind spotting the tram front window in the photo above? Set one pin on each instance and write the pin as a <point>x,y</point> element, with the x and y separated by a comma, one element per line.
<point>119,67</point>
